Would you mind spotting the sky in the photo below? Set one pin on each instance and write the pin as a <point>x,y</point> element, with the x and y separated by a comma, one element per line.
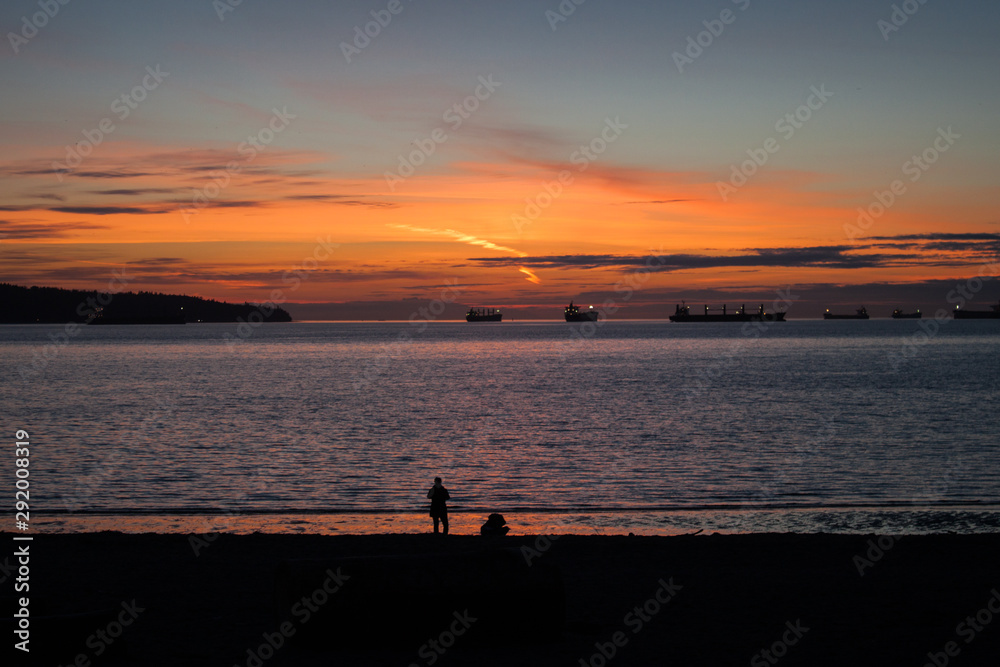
<point>352,159</point>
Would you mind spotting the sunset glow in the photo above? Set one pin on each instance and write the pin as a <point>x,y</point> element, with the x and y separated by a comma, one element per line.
<point>531,161</point>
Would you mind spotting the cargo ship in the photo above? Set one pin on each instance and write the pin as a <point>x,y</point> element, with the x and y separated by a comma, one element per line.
<point>898,314</point>
<point>682,313</point>
<point>860,314</point>
<point>483,315</point>
<point>573,314</point>
<point>992,314</point>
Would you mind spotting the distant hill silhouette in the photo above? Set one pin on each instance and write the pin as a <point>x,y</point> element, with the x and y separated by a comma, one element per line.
<point>21,305</point>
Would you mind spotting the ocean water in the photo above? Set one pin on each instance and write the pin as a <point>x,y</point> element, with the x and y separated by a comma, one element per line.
<point>634,425</point>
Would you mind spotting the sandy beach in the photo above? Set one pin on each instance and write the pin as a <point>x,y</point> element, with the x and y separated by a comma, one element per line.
<point>691,600</point>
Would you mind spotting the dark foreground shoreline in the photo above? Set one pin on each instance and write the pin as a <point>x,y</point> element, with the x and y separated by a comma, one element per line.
<point>690,600</point>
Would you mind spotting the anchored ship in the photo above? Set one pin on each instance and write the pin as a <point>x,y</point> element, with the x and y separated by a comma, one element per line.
<point>992,314</point>
<point>860,314</point>
<point>898,314</point>
<point>573,314</point>
<point>483,315</point>
<point>682,313</point>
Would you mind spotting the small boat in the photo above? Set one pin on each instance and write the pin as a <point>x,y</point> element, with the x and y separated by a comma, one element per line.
<point>992,314</point>
<point>682,313</point>
<point>573,314</point>
<point>483,315</point>
<point>898,314</point>
<point>860,314</point>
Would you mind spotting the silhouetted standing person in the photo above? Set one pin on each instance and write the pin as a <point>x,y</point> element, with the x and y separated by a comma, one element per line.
<point>439,510</point>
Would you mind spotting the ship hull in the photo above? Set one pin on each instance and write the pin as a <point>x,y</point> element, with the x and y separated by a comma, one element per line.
<point>484,318</point>
<point>906,316</point>
<point>729,317</point>
<point>588,316</point>
<point>977,315</point>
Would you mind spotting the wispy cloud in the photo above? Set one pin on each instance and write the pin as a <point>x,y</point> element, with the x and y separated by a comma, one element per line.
<point>532,278</point>
<point>972,244</point>
<point>938,236</point>
<point>37,230</point>
<point>342,200</point>
<point>460,237</point>
<point>109,210</point>
<point>835,257</point>
<point>660,201</point>
<point>473,240</point>
<point>135,192</point>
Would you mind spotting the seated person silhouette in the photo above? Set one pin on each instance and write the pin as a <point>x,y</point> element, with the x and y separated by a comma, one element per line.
<point>495,526</point>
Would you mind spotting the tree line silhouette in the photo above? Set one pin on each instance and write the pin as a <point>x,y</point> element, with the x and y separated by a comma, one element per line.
<point>21,305</point>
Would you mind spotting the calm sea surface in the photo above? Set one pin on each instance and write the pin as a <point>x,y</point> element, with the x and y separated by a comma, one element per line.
<point>653,426</point>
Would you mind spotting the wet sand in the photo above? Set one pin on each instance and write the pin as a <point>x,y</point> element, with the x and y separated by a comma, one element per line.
<point>692,600</point>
